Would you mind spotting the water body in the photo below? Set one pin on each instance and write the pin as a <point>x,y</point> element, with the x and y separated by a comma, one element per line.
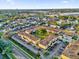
<point>72,14</point>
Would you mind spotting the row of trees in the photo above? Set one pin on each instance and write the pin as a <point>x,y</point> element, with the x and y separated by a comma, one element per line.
<point>5,48</point>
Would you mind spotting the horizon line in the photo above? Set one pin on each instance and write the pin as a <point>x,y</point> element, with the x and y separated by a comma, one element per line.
<point>33,8</point>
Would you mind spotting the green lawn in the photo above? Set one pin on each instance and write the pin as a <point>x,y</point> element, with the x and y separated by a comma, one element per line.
<point>1,33</point>
<point>41,33</point>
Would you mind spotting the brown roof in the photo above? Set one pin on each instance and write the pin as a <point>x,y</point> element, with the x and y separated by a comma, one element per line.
<point>29,36</point>
<point>72,50</point>
<point>49,38</point>
<point>45,41</point>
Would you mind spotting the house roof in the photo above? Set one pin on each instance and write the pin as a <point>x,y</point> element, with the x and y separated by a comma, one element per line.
<point>72,50</point>
<point>49,38</point>
<point>29,36</point>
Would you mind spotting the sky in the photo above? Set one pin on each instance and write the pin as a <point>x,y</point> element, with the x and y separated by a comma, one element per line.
<point>38,4</point>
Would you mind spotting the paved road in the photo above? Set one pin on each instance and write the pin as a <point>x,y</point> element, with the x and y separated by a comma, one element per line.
<point>23,52</point>
<point>0,56</point>
<point>19,54</point>
<point>56,50</point>
<point>24,43</point>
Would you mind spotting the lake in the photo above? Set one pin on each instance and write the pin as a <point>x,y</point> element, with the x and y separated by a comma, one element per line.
<point>72,14</point>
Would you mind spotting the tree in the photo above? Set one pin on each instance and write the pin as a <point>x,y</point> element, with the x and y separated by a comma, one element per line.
<point>41,33</point>
<point>55,57</point>
<point>75,37</point>
<point>6,47</point>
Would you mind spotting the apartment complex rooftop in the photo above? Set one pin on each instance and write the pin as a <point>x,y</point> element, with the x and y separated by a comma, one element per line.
<point>42,43</point>
<point>48,39</point>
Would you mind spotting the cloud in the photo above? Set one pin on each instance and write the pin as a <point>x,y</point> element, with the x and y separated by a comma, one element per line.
<point>9,1</point>
<point>65,1</point>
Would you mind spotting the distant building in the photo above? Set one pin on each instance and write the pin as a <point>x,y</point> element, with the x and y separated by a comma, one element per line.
<point>69,32</point>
